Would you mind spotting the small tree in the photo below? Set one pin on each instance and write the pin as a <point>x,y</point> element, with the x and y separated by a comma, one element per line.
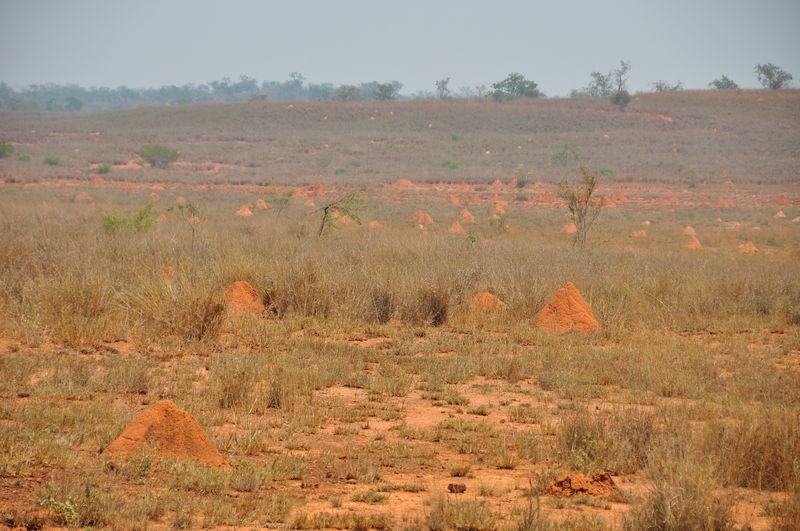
<point>724,83</point>
<point>772,77</point>
<point>620,96</point>
<point>601,86</point>
<point>158,156</point>
<point>190,214</point>
<point>348,205</point>
<point>387,91</point>
<point>442,89</point>
<point>515,86</point>
<point>583,209</point>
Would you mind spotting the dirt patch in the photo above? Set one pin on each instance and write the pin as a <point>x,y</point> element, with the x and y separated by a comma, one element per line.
<point>689,231</point>
<point>403,183</point>
<point>169,430</point>
<point>241,298</point>
<point>578,484</point>
<point>569,228</point>
<point>566,310</point>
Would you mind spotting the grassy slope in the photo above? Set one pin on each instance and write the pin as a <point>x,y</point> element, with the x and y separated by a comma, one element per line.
<point>745,135</point>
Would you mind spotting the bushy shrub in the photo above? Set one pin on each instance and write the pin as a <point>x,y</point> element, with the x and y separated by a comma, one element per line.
<point>6,149</point>
<point>52,161</point>
<point>158,156</point>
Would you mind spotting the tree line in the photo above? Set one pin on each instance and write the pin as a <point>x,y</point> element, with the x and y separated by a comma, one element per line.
<point>612,85</point>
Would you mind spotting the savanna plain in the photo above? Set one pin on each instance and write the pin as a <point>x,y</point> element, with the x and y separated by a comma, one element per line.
<point>330,315</point>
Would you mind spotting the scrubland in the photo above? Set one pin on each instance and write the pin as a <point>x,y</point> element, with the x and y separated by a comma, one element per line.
<point>368,393</point>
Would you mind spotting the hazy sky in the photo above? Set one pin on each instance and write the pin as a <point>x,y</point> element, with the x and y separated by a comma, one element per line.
<point>146,43</point>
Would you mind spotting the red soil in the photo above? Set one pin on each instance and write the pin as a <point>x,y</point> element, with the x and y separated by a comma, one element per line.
<point>403,183</point>
<point>171,432</point>
<point>566,310</point>
<point>260,203</point>
<point>689,231</point>
<point>242,298</point>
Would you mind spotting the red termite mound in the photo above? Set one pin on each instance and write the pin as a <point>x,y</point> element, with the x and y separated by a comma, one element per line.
<point>171,432</point>
<point>566,310</point>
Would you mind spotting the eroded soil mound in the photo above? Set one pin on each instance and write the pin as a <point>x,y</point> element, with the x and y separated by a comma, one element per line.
<point>689,231</point>
<point>578,484</point>
<point>566,310</point>
<point>242,298</point>
<point>171,432</point>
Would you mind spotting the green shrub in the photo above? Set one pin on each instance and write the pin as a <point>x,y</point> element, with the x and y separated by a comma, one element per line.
<point>51,161</point>
<point>113,224</point>
<point>102,169</point>
<point>24,157</point>
<point>158,156</point>
<point>6,149</point>
<point>452,164</point>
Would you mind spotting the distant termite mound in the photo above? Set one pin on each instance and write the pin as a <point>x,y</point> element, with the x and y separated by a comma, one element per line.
<point>694,243</point>
<point>485,303</point>
<point>569,228</point>
<point>245,211</point>
<point>456,228</point>
<point>565,311</point>
<point>748,248</point>
<point>421,218</point>
<point>241,298</point>
<point>171,433</point>
<point>689,231</point>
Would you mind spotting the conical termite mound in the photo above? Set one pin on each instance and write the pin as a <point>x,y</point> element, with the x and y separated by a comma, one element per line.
<point>171,432</point>
<point>565,311</point>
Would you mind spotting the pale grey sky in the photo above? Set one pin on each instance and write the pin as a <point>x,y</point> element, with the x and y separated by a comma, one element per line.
<point>147,43</point>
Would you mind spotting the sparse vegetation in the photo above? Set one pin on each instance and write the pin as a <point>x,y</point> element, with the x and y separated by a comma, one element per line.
<point>583,208</point>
